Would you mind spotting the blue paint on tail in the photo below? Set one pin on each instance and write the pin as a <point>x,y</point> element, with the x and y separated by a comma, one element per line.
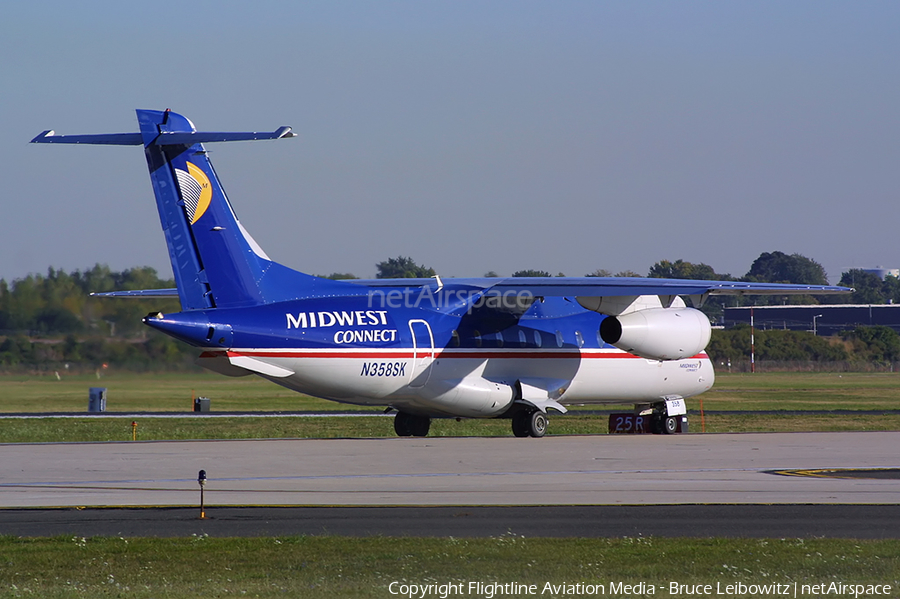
<point>217,264</point>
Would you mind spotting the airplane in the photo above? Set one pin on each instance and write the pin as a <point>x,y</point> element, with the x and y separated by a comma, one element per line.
<point>513,348</point>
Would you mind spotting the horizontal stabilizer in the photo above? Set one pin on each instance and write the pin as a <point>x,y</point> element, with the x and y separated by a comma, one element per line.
<point>112,139</point>
<point>202,137</point>
<point>184,138</point>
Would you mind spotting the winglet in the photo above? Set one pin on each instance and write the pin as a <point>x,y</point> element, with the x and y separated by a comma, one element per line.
<point>48,133</point>
<point>284,132</point>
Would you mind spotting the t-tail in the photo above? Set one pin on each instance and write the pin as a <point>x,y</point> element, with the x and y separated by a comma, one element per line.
<point>216,263</point>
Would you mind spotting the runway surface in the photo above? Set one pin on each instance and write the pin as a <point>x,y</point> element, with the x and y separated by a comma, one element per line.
<point>702,521</point>
<point>557,471</point>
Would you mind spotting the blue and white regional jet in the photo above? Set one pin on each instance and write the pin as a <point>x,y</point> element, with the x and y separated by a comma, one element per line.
<point>426,348</point>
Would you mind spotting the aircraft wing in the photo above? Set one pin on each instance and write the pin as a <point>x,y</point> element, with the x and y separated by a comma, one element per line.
<point>607,295</point>
<point>628,286</point>
<point>577,287</point>
<point>139,293</point>
<point>611,286</point>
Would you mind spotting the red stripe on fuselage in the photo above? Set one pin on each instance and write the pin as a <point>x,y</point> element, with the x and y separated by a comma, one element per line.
<point>445,354</point>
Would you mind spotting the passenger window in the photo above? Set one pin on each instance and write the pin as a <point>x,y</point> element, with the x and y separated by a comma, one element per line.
<point>454,339</point>
<point>559,339</point>
<point>476,334</point>
<point>579,339</point>
<point>537,339</point>
<point>522,341</point>
<point>499,339</point>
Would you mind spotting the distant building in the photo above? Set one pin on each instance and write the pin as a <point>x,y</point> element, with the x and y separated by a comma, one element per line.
<point>824,319</point>
<point>883,272</point>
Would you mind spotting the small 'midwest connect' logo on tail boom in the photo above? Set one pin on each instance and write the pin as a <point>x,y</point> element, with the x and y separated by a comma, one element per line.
<point>196,192</point>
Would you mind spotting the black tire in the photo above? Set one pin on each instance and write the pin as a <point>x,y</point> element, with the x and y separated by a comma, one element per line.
<point>402,424</point>
<point>537,424</point>
<point>670,425</point>
<point>520,424</point>
<point>419,426</point>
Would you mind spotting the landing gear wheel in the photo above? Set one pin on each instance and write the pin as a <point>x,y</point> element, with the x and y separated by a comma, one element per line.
<point>410,425</point>
<point>537,424</point>
<point>670,425</point>
<point>420,426</point>
<point>520,424</point>
<point>402,424</point>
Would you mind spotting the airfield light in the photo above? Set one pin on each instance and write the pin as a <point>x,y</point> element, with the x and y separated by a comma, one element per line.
<point>201,479</point>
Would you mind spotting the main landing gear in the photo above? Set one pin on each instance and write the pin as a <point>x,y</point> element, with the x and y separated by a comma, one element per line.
<point>529,423</point>
<point>411,425</point>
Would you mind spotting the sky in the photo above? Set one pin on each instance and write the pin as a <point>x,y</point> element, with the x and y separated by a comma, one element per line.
<point>564,136</point>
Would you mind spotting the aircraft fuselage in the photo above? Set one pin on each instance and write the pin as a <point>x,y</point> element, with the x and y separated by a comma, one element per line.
<point>455,361</point>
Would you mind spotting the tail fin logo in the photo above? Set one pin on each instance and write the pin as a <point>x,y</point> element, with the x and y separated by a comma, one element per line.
<point>196,191</point>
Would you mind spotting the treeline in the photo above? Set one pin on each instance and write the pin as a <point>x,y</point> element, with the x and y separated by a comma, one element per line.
<point>61,302</point>
<point>49,322</point>
<point>76,354</point>
<point>863,346</point>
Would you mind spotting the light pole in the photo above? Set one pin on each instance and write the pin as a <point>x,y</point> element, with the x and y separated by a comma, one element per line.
<point>201,478</point>
<point>814,323</point>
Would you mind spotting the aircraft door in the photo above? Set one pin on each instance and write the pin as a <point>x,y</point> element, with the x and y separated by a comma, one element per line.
<point>423,353</point>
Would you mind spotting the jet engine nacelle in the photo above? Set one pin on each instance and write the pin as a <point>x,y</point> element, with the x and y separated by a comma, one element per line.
<point>658,333</point>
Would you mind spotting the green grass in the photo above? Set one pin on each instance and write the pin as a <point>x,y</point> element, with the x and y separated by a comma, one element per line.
<point>70,430</point>
<point>803,391</point>
<point>170,393</point>
<point>365,567</point>
<point>173,392</point>
<point>349,567</point>
<point>154,392</point>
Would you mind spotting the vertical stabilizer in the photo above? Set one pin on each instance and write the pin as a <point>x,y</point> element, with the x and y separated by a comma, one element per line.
<point>217,264</point>
<point>164,163</point>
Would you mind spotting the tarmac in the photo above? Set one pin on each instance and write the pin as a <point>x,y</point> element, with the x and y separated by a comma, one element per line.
<point>557,471</point>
